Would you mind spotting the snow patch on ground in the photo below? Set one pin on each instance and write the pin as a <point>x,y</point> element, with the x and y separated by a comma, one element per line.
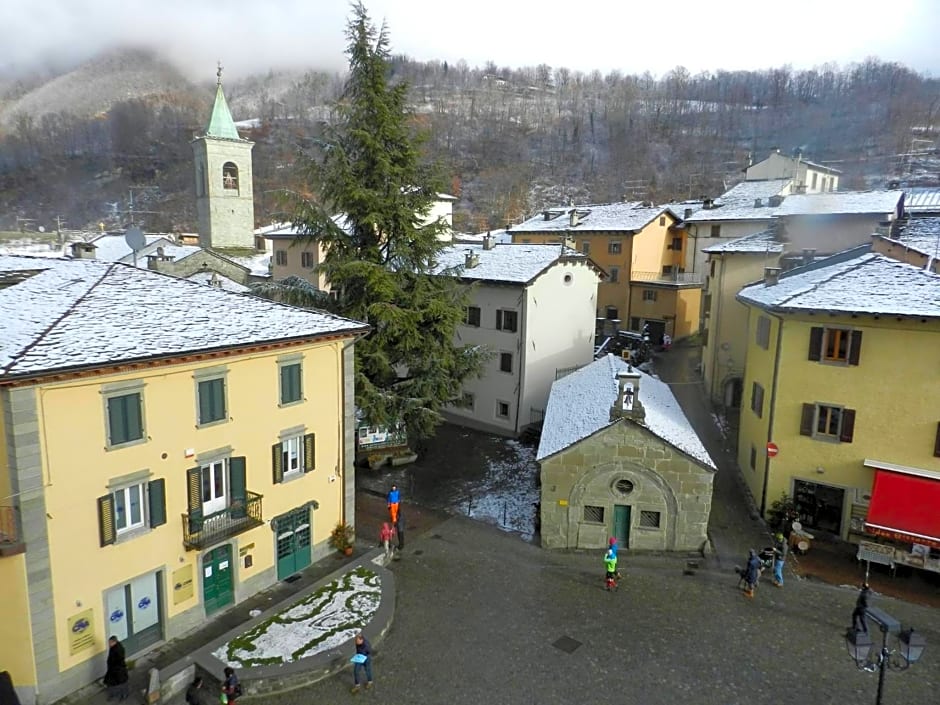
<point>324,620</point>
<point>509,493</point>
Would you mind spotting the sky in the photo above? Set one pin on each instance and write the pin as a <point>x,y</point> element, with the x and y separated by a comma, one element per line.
<point>631,36</point>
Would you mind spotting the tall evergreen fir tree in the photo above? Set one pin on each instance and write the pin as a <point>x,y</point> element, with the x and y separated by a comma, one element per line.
<point>379,258</point>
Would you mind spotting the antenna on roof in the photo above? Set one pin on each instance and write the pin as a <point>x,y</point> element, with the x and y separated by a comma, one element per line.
<point>134,237</point>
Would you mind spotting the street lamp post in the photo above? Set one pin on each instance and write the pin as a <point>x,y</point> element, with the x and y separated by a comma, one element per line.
<point>910,647</point>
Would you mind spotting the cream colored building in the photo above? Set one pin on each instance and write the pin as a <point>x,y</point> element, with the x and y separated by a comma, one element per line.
<point>807,176</point>
<point>167,450</point>
<point>532,307</point>
<point>619,458</point>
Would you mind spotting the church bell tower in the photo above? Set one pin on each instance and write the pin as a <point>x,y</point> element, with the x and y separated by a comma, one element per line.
<point>224,194</point>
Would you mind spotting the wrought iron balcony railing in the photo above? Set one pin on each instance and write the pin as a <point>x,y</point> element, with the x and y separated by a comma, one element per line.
<point>240,516</point>
<point>673,277</point>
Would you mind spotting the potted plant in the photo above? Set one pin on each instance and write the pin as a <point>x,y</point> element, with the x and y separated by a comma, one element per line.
<point>342,538</point>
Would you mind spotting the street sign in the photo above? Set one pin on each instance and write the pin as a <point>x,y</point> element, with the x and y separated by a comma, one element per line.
<point>772,450</point>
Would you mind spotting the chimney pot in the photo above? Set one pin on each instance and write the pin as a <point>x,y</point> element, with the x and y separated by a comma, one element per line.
<point>489,242</point>
<point>546,215</point>
<point>758,203</point>
<point>471,259</point>
<point>809,255</point>
<point>771,276</point>
<point>688,213</point>
<point>573,217</point>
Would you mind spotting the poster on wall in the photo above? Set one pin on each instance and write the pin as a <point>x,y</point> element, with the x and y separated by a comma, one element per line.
<point>81,631</point>
<point>183,584</point>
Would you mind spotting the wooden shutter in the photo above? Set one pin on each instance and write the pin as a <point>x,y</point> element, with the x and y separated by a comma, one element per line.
<point>806,421</point>
<point>277,464</point>
<point>499,319</point>
<point>848,425</point>
<point>815,344</point>
<point>236,483</point>
<point>194,498</point>
<point>936,443</point>
<point>310,452</point>
<point>855,349</point>
<point>156,496</point>
<point>205,405</point>
<point>107,532</point>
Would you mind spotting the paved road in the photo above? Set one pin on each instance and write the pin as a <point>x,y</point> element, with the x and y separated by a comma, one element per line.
<point>479,610</point>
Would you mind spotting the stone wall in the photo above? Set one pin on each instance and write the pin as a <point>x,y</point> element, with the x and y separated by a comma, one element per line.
<point>663,479</point>
<point>199,262</point>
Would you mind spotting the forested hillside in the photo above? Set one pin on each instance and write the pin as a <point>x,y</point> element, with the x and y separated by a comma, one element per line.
<point>509,140</point>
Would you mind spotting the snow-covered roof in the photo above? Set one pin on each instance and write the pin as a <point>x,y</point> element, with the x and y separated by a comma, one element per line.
<point>869,283</point>
<point>924,199</point>
<point>820,167</point>
<point>738,203</point>
<point>579,405</point>
<point>922,234</point>
<point>678,208</point>
<point>758,243</point>
<point>500,234</point>
<point>506,263</point>
<point>210,278</point>
<point>628,216</point>
<point>258,264</point>
<point>111,247</point>
<point>59,314</point>
<point>840,203</point>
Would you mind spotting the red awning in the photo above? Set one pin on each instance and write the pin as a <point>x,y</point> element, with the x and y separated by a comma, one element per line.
<point>905,506</point>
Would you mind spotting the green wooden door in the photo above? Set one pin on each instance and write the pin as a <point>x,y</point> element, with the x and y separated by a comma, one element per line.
<point>218,587</point>
<point>622,524</point>
<point>293,542</point>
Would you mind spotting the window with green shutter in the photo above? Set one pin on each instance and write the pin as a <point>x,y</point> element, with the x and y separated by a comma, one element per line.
<point>291,388</point>
<point>125,418</point>
<point>211,393</point>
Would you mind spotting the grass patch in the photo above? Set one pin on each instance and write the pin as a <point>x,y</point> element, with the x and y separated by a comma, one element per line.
<point>321,621</point>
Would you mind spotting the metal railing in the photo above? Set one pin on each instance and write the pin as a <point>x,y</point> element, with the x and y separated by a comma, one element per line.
<point>674,277</point>
<point>200,532</point>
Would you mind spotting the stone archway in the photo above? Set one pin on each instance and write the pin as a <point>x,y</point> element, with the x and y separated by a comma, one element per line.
<point>607,475</point>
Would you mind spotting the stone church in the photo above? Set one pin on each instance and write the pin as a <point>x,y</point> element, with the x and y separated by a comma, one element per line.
<point>618,457</point>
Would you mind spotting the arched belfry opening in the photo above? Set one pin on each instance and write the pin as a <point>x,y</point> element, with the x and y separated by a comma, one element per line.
<point>230,176</point>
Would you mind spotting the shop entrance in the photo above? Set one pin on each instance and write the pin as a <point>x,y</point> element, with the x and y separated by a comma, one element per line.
<point>819,506</point>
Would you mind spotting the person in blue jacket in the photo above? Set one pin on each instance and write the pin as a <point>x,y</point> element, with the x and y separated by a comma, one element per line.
<point>393,499</point>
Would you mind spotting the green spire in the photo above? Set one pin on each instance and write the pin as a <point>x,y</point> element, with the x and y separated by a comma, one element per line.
<point>220,122</point>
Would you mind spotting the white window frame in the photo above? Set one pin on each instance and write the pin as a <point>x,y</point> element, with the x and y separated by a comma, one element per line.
<point>216,503</point>
<point>292,455</point>
<point>123,498</point>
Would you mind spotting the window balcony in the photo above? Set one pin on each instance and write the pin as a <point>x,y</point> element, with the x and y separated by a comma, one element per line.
<point>672,277</point>
<point>11,543</point>
<point>200,532</point>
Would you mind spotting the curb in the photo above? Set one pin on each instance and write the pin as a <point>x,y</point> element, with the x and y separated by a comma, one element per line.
<point>273,679</point>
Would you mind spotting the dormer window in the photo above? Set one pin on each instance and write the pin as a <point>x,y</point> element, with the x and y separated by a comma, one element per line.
<point>230,176</point>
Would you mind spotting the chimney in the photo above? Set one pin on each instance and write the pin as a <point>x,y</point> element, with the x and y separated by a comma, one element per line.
<point>688,213</point>
<point>573,217</point>
<point>771,276</point>
<point>83,250</point>
<point>471,259</point>
<point>809,255</point>
<point>758,203</point>
<point>708,204</point>
<point>774,201</point>
<point>215,281</point>
<point>628,396</point>
<point>489,242</point>
<point>546,215</point>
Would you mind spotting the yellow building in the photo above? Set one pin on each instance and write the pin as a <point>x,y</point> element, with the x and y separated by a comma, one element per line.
<point>841,376</point>
<point>167,449</point>
<point>643,252</point>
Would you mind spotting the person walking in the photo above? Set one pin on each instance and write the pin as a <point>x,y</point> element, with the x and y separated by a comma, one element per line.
<point>780,558</point>
<point>116,676</point>
<point>394,501</point>
<point>193,692</point>
<point>859,623</point>
<point>751,573</point>
<point>610,565</point>
<point>400,530</point>
<point>385,536</point>
<point>362,661</point>
<point>231,688</point>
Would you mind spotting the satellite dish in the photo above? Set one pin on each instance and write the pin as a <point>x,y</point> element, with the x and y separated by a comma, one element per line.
<point>134,237</point>
<point>42,228</point>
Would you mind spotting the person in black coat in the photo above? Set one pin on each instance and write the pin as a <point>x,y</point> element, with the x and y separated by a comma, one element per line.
<point>116,677</point>
<point>400,530</point>
<point>861,608</point>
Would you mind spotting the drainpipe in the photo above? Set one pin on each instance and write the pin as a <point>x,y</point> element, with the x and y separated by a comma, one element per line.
<point>770,414</point>
<point>715,315</point>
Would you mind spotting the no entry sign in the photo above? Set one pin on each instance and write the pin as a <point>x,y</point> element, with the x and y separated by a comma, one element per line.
<point>772,450</point>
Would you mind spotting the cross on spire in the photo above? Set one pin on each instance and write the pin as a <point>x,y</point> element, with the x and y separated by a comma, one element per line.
<point>218,73</point>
